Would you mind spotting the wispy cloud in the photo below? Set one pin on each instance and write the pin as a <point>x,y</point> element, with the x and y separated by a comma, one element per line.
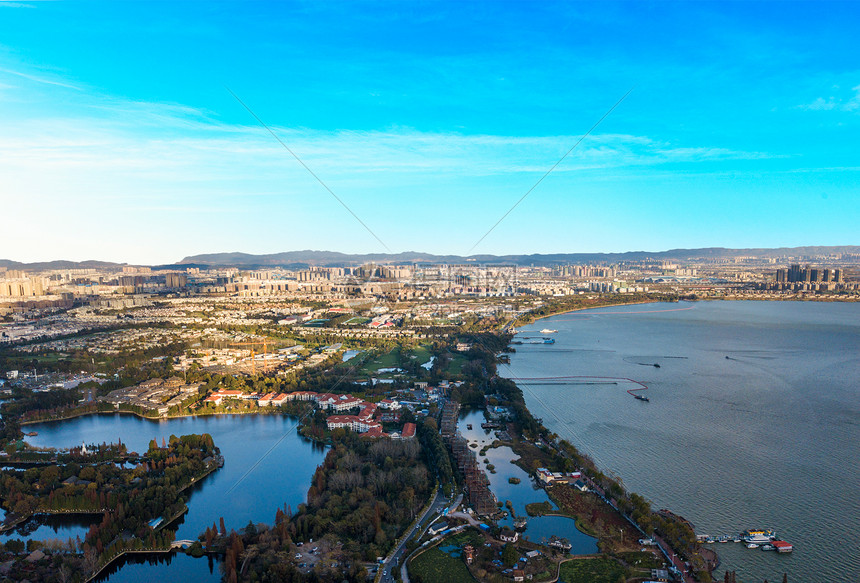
<point>186,146</point>
<point>40,78</point>
<point>834,103</point>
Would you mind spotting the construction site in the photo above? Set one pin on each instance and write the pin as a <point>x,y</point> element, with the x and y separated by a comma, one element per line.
<point>475,480</point>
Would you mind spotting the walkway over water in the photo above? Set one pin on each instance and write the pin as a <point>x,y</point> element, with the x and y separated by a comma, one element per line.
<point>583,380</point>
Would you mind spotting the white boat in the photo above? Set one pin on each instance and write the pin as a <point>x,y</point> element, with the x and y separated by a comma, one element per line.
<point>752,546</point>
<point>768,547</point>
<point>548,331</point>
<point>758,537</point>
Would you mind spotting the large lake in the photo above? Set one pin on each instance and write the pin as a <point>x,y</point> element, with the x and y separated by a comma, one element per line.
<point>753,419</point>
<point>267,466</point>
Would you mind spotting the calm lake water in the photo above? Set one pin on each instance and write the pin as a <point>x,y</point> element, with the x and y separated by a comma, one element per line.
<point>753,419</point>
<point>242,490</point>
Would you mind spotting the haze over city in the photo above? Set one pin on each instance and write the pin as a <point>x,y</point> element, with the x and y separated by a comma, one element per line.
<point>120,141</point>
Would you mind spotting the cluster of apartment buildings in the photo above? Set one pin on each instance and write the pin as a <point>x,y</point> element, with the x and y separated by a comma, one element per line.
<point>157,395</point>
<point>19,285</point>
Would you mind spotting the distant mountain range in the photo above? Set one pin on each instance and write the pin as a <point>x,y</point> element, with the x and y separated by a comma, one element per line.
<point>59,264</point>
<point>299,259</point>
<point>335,259</point>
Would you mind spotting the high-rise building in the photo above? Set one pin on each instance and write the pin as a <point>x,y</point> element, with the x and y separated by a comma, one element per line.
<point>175,280</point>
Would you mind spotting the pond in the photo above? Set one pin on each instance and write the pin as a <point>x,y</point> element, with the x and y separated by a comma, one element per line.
<point>525,492</point>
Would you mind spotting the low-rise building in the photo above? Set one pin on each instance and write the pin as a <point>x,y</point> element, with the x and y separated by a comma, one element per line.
<point>509,536</point>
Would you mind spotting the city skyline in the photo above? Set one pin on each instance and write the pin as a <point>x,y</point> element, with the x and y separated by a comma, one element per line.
<point>121,142</point>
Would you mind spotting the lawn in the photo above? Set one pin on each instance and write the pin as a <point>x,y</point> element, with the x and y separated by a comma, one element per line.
<point>468,536</point>
<point>422,354</point>
<point>591,571</point>
<point>389,360</point>
<point>435,566</point>
<point>455,367</point>
<point>641,560</point>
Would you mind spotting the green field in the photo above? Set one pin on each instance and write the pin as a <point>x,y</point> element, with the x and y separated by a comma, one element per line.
<point>467,537</point>
<point>389,360</point>
<point>641,560</point>
<point>435,566</point>
<point>456,364</point>
<point>591,571</point>
<point>422,355</point>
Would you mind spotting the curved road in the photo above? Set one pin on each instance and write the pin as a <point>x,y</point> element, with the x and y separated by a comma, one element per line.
<point>420,526</point>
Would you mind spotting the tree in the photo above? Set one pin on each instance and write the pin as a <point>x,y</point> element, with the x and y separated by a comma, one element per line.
<point>15,546</point>
<point>509,555</point>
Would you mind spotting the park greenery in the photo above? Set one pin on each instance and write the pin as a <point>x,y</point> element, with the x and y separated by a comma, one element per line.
<point>360,499</point>
<point>129,500</point>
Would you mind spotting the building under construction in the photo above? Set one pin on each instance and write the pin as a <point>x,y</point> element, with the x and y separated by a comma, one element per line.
<point>478,493</point>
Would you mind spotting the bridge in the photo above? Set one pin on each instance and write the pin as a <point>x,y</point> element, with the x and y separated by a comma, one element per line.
<point>585,380</point>
<point>182,544</point>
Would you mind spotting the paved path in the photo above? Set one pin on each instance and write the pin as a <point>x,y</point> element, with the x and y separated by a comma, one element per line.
<point>420,526</point>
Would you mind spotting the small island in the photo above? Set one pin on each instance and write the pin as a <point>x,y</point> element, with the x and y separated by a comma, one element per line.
<point>137,502</point>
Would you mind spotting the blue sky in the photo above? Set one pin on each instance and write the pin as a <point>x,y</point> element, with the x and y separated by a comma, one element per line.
<point>119,140</point>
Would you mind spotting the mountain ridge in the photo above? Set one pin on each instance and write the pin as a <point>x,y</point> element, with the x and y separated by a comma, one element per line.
<point>334,258</point>
<point>316,258</point>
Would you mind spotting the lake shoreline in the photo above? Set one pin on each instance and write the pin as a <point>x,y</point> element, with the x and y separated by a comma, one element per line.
<point>767,371</point>
<point>154,419</point>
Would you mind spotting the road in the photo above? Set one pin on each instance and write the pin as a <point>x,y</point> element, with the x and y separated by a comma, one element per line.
<point>420,526</point>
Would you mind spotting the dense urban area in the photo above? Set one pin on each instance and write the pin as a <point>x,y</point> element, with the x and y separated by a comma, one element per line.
<point>377,362</point>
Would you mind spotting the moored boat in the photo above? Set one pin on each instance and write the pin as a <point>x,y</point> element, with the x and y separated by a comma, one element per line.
<point>752,546</point>
<point>758,536</point>
<point>782,546</point>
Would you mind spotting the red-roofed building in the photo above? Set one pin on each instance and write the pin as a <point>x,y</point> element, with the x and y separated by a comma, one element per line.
<point>266,399</point>
<point>367,411</point>
<point>345,403</point>
<point>408,431</point>
<point>214,398</point>
<point>353,423</point>
<point>782,546</point>
<point>280,399</point>
<point>302,396</point>
<point>375,431</point>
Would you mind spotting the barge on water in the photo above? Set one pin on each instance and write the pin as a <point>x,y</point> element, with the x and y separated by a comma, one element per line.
<point>782,546</point>
<point>557,542</point>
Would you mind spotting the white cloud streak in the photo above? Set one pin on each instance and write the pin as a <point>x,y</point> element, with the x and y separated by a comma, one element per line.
<point>57,144</point>
<point>833,103</point>
<point>40,79</point>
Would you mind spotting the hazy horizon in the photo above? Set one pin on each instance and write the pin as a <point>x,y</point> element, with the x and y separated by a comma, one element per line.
<point>476,256</point>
